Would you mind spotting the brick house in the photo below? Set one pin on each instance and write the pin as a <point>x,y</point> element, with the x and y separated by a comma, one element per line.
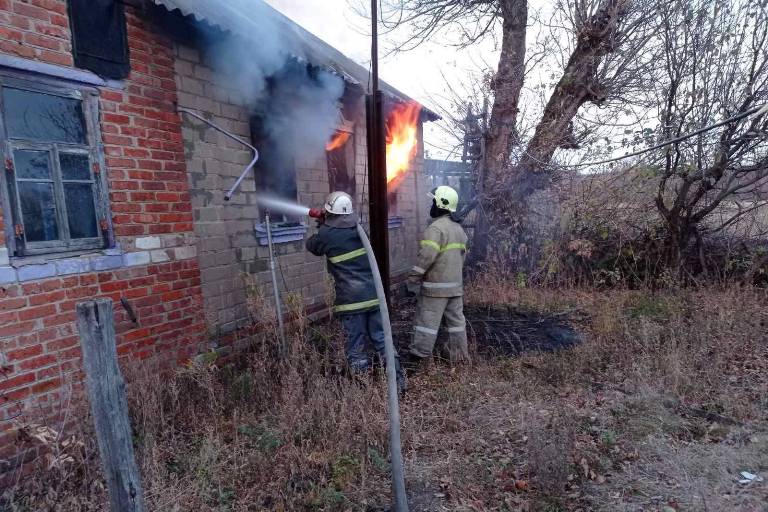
<point>108,192</point>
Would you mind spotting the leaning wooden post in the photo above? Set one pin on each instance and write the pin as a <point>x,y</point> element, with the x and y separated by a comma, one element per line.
<point>109,405</point>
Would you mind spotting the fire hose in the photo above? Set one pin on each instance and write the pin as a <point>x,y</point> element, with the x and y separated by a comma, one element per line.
<point>395,451</point>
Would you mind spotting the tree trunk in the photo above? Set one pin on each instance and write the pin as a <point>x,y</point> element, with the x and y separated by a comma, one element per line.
<point>502,126</point>
<point>508,221</point>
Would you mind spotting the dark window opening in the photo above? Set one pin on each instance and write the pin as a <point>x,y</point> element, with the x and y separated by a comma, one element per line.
<point>99,37</point>
<point>392,203</point>
<point>340,158</point>
<point>55,193</point>
<point>288,123</point>
<point>275,170</point>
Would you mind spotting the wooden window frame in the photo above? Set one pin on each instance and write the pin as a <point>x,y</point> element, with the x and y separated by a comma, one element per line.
<point>16,242</point>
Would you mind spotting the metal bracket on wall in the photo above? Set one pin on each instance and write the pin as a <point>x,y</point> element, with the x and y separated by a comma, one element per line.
<point>218,128</point>
<point>129,309</point>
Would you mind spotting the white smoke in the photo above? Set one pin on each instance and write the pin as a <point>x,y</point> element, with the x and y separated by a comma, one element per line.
<point>258,45</point>
<point>301,112</point>
<point>264,61</point>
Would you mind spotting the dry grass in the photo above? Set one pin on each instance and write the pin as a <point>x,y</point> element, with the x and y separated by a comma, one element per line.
<point>658,410</point>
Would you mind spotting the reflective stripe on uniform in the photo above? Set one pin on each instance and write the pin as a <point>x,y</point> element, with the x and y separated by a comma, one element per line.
<point>456,329</point>
<point>427,284</point>
<point>348,255</point>
<point>431,243</point>
<point>425,330</point>
<point>419,270</point>
<point>448,247</point>
<point>355,306</point>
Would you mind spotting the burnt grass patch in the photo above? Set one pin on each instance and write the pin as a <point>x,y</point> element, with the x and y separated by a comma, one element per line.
<point>501,330</point>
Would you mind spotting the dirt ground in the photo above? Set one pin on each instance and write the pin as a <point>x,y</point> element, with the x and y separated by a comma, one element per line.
<point>524,433</point>
<point>659,407</point>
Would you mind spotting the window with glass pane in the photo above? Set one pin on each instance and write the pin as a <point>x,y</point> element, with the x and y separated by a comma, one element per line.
<point>44,117</point>
<point>36,195</point>
<point>55,197</point>
<point>78,195</point>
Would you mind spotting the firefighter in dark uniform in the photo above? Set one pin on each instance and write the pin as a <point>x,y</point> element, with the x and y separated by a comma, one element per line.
<point>356,304</point>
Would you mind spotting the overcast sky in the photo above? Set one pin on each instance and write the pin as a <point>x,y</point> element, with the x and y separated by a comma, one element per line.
<point>418,73</point>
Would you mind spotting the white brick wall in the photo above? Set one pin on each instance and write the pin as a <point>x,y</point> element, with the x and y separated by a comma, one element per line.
<point>226,246</point>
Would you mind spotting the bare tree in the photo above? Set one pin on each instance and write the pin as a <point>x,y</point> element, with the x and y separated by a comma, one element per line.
<point>461,97</point>
<point>699,205</point>
<point>715,66</point>
<point>590,33</point>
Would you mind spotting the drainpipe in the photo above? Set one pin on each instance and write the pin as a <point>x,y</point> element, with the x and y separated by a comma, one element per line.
<point>275,288</point>
<point>228,196</point>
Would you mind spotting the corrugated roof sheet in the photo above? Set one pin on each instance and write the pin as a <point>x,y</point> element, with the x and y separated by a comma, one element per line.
<point>305,44</point>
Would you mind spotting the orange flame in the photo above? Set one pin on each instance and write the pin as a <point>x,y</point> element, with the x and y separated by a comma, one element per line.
<point>338,140</point>
<point>402,126</point>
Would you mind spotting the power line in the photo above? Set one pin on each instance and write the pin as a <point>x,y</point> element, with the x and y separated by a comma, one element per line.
<point>757,110</point>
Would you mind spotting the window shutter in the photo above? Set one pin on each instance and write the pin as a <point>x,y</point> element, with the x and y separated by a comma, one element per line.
<point>99,37</point>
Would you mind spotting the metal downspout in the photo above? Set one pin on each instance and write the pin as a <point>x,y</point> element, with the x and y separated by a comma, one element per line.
<point>278,305</point>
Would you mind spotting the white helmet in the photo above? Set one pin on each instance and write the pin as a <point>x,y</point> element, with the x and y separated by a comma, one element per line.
<point>338,203</point>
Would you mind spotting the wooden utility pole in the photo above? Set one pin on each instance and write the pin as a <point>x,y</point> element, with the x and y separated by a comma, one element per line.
<point>378,212</point>
<point>109,405</point>
<point>378,209</point>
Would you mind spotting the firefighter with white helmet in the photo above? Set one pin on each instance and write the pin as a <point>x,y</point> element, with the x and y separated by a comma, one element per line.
<point>339,203</point>
<point>356,304</point>
<point>437,278</point>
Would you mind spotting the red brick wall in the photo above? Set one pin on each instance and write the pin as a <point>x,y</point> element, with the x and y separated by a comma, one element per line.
<point>36,29</point>
<point>148,195</point>
<point>142,137</point>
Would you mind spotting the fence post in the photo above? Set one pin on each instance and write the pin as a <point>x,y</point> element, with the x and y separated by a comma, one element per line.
<point>109,405</point>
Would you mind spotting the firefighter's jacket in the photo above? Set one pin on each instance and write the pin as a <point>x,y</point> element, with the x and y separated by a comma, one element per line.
<point>348,264</point>
<point>441,259</point>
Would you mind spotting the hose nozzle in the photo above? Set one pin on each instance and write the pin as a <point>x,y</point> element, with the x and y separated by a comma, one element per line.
<point>316,213</point>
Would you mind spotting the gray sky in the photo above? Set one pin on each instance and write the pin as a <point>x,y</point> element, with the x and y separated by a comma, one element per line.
<point>418,73</point>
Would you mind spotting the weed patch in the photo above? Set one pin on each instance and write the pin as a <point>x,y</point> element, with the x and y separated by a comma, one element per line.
<point>662,405</point>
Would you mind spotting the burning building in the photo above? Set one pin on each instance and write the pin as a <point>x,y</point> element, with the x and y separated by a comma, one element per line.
<point>303,107</point>
<point>109,192</point>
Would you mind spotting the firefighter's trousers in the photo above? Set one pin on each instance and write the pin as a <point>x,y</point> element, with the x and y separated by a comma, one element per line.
<point>429,315</point>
